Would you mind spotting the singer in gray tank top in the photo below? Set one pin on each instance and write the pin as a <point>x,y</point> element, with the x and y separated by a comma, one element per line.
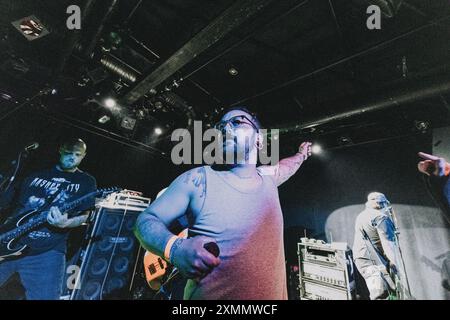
<point>235,206</point>
<point>250,238</point>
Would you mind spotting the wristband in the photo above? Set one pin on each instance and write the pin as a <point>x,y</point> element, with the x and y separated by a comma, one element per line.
<point>169,247</point>
<point>174,247</point>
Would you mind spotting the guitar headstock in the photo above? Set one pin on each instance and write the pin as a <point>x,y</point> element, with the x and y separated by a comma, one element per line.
<point>106,191</point>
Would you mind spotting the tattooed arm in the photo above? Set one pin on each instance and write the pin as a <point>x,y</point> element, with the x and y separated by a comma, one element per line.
<point>152,224</point>
<point>188,255</point>
<point>287,167</point>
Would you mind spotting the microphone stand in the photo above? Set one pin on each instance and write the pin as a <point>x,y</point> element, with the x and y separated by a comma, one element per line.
<point>8,179</point>
<point>397,242</point>
<point>6,182</point>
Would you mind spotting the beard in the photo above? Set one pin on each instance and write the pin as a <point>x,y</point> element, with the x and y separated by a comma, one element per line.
<point>68,164</point>
<point>234,153</point>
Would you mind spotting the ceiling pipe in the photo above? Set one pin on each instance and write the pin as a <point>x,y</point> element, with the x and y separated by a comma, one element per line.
<point>426,89</point>
<point>119,68</point>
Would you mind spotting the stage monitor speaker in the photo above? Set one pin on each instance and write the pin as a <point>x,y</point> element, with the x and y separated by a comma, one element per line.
<point>108,262</point>
<point>389,8</point>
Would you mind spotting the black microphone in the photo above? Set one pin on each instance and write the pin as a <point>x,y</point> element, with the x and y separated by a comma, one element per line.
<point>32,146</point>
<point>212,248</point>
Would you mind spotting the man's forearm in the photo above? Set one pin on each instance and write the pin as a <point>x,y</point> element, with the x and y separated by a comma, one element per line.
<point>287,167</point>
<point>152,233</point>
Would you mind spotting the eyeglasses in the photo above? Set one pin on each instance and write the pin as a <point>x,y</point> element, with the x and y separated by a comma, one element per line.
<point>235,122</point>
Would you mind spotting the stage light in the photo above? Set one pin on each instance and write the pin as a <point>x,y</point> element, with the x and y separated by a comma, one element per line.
<point>110,102</point>
<point>233,71</point>
<point>316,149</point>
<point>104,119</point>
<point>158,131</point>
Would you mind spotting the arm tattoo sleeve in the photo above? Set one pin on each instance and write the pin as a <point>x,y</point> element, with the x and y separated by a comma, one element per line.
<point>288,167</point>
<point>152,233</point>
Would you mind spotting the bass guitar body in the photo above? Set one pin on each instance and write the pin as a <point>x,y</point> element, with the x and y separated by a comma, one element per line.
<point>11,246</point>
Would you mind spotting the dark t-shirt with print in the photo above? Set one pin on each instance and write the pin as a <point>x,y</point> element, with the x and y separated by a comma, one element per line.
<point>60,188</point>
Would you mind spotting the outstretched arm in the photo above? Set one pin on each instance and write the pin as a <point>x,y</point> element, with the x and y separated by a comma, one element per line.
<point>287,167</point>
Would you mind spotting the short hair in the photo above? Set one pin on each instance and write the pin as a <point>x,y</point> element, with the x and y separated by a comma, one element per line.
<point>253,115</point>
<point>377,200</point>
<point>72,143</point>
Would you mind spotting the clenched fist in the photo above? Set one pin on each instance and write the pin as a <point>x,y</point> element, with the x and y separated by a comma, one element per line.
<point>192,259</point>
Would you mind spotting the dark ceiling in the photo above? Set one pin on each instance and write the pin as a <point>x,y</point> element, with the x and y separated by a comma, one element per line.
<point>309,67</point>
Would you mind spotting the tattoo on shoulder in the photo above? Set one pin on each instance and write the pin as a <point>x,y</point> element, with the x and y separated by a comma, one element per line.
<point>187,177</point>
<point>198,179</point>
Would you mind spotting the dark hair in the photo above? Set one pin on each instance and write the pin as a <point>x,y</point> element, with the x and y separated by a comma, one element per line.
<point>253,115</point>
<point>71,143</point>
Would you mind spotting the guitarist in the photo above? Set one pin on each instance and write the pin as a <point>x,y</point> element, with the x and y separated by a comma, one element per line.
<point>42,267</point>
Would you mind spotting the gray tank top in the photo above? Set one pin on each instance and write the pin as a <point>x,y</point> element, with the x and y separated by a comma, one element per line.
<point>248,228</point>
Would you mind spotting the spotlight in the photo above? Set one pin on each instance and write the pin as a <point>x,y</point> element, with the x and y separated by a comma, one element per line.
<point>110,102</point>
<point>316,149</point>
<point>158,131</point>
<point>54,92</point>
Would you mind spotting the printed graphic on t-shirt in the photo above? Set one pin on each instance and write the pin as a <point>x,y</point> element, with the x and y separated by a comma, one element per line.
<point>60,188</point>
<point>53,188</point>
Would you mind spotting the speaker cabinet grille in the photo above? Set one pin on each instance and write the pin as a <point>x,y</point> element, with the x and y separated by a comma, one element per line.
<point>108,261</point>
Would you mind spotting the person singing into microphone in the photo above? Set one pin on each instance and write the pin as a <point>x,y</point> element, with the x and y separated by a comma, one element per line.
<point>236,206</point>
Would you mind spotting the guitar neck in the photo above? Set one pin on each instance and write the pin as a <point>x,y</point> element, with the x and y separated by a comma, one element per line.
<point>41,218</point>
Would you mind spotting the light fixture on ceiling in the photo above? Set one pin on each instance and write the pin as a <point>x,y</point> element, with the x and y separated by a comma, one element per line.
<point>128,123</point>
<point>104,119</point>
<point>158,131</point>
<point>233,71</point>
<point>422,126</point>
<point>31,28</point>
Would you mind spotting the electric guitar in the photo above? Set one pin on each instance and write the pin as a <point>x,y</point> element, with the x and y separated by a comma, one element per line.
<point>12,242</point>
<point>156,267</point>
